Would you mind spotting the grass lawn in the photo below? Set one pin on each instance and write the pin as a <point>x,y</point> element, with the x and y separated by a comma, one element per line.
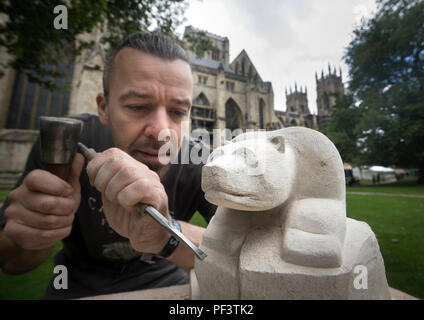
<point>3,194</point>
<point>398,223</point>
<point>407,186</point>
<point>30,285</point>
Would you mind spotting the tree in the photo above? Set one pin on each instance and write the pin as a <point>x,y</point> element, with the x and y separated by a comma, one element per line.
<point>386,67</point>
<point>341,129</point>
<point>198,42</point>
<point>29,35</point>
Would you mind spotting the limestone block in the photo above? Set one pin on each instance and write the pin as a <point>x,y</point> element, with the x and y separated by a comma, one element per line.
<point>280,231</point>
<point>264,275</point>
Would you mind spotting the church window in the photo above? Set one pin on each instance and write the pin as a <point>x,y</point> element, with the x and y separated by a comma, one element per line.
<point>202,80</point>
<point>230,86</point>
<point>203,116</point>
<point>261,114</point>
<point>29,100</point>
<point>215,55</point>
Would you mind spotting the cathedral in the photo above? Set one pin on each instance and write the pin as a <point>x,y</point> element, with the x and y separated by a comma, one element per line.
<point>226,95</point>
<point>233,95</point>
<point>329,88</point>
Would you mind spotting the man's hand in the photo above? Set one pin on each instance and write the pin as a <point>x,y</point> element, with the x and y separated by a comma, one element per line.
<point>43,207</point>
<point>124,182</point>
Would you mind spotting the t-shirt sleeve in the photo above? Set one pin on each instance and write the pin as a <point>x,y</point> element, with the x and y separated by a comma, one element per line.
<point>33,162</point>
<point>206,209</point>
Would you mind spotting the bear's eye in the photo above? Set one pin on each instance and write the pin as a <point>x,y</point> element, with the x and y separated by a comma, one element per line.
<point>248,156</point>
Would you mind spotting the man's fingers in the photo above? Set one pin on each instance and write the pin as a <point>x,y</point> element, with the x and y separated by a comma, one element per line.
<point>76,169</point>
<point>97,162</point>
<point>151,195</point>
<point>46,182</point>
<point>34,239</point>
<point>38,220</point>
<point>107,171</point>
<point>47,204</point>
<point>126,176</point>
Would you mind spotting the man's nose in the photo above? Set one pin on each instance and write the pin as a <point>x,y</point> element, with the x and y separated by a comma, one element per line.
<point>158,125</point>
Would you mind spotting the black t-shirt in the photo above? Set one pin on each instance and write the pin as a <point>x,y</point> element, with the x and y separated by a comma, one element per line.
<point>100,261</point>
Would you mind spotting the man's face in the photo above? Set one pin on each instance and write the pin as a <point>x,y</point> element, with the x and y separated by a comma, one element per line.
<point>147,96</point>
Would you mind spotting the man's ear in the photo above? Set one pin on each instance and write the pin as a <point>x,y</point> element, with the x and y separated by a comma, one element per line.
<point>102,109</point>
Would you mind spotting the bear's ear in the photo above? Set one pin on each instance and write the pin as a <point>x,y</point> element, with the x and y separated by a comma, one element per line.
<point>278,142</point>
<point>227,142</point>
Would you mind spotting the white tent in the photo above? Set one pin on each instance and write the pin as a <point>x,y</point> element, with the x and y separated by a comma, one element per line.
<point>383,173</point>
<point>381,169</point>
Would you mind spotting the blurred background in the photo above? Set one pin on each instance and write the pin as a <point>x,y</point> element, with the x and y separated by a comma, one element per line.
<point>353,70</point>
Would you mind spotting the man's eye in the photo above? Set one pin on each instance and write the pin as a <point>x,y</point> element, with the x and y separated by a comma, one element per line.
<point>180,113</point>
<point>136,108</point>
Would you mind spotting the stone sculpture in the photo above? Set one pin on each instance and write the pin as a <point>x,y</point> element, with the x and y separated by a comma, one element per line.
<point>280,231</point>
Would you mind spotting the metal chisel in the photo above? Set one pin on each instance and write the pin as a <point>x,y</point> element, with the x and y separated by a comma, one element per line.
<point>152,212</point>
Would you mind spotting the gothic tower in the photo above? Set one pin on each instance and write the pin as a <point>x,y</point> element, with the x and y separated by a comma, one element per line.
<point>329,89</point>
<point>297,112</point>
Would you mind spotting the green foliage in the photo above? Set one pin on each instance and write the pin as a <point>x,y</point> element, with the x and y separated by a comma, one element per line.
<point>386,60</point>
<point>30,37</point>
<point>341,129</point>
<point>199,43</point>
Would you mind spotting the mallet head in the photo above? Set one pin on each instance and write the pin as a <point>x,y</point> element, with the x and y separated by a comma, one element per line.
<point>59,138</point>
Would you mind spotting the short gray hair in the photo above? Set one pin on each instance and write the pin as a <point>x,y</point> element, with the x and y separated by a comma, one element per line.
<point>155,44</point>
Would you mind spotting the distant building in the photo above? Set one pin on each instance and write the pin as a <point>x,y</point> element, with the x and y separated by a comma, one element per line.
<point>330,90</point>
<point>229,94</point>
<point>226,95</point>
<point>297,110</point>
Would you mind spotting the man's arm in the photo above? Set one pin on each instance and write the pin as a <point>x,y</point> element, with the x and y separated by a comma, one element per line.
<point>125,182</point>
<point>183,256</point>
<point>16,260</point>
<point>40,213</point>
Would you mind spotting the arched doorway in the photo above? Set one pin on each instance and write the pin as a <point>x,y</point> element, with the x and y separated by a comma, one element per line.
<point>233,116</point>
<point>203,116</point>
<point>261,113</point>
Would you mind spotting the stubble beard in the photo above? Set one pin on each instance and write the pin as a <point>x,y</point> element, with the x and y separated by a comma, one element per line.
<point>132,150</point>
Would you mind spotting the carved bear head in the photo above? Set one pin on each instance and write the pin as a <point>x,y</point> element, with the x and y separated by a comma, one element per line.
<point>253,172</point>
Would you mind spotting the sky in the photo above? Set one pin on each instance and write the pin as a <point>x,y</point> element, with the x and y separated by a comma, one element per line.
<point>287,40</point>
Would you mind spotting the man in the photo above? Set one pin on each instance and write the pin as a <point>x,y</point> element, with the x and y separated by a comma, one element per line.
<point>109,245</point>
